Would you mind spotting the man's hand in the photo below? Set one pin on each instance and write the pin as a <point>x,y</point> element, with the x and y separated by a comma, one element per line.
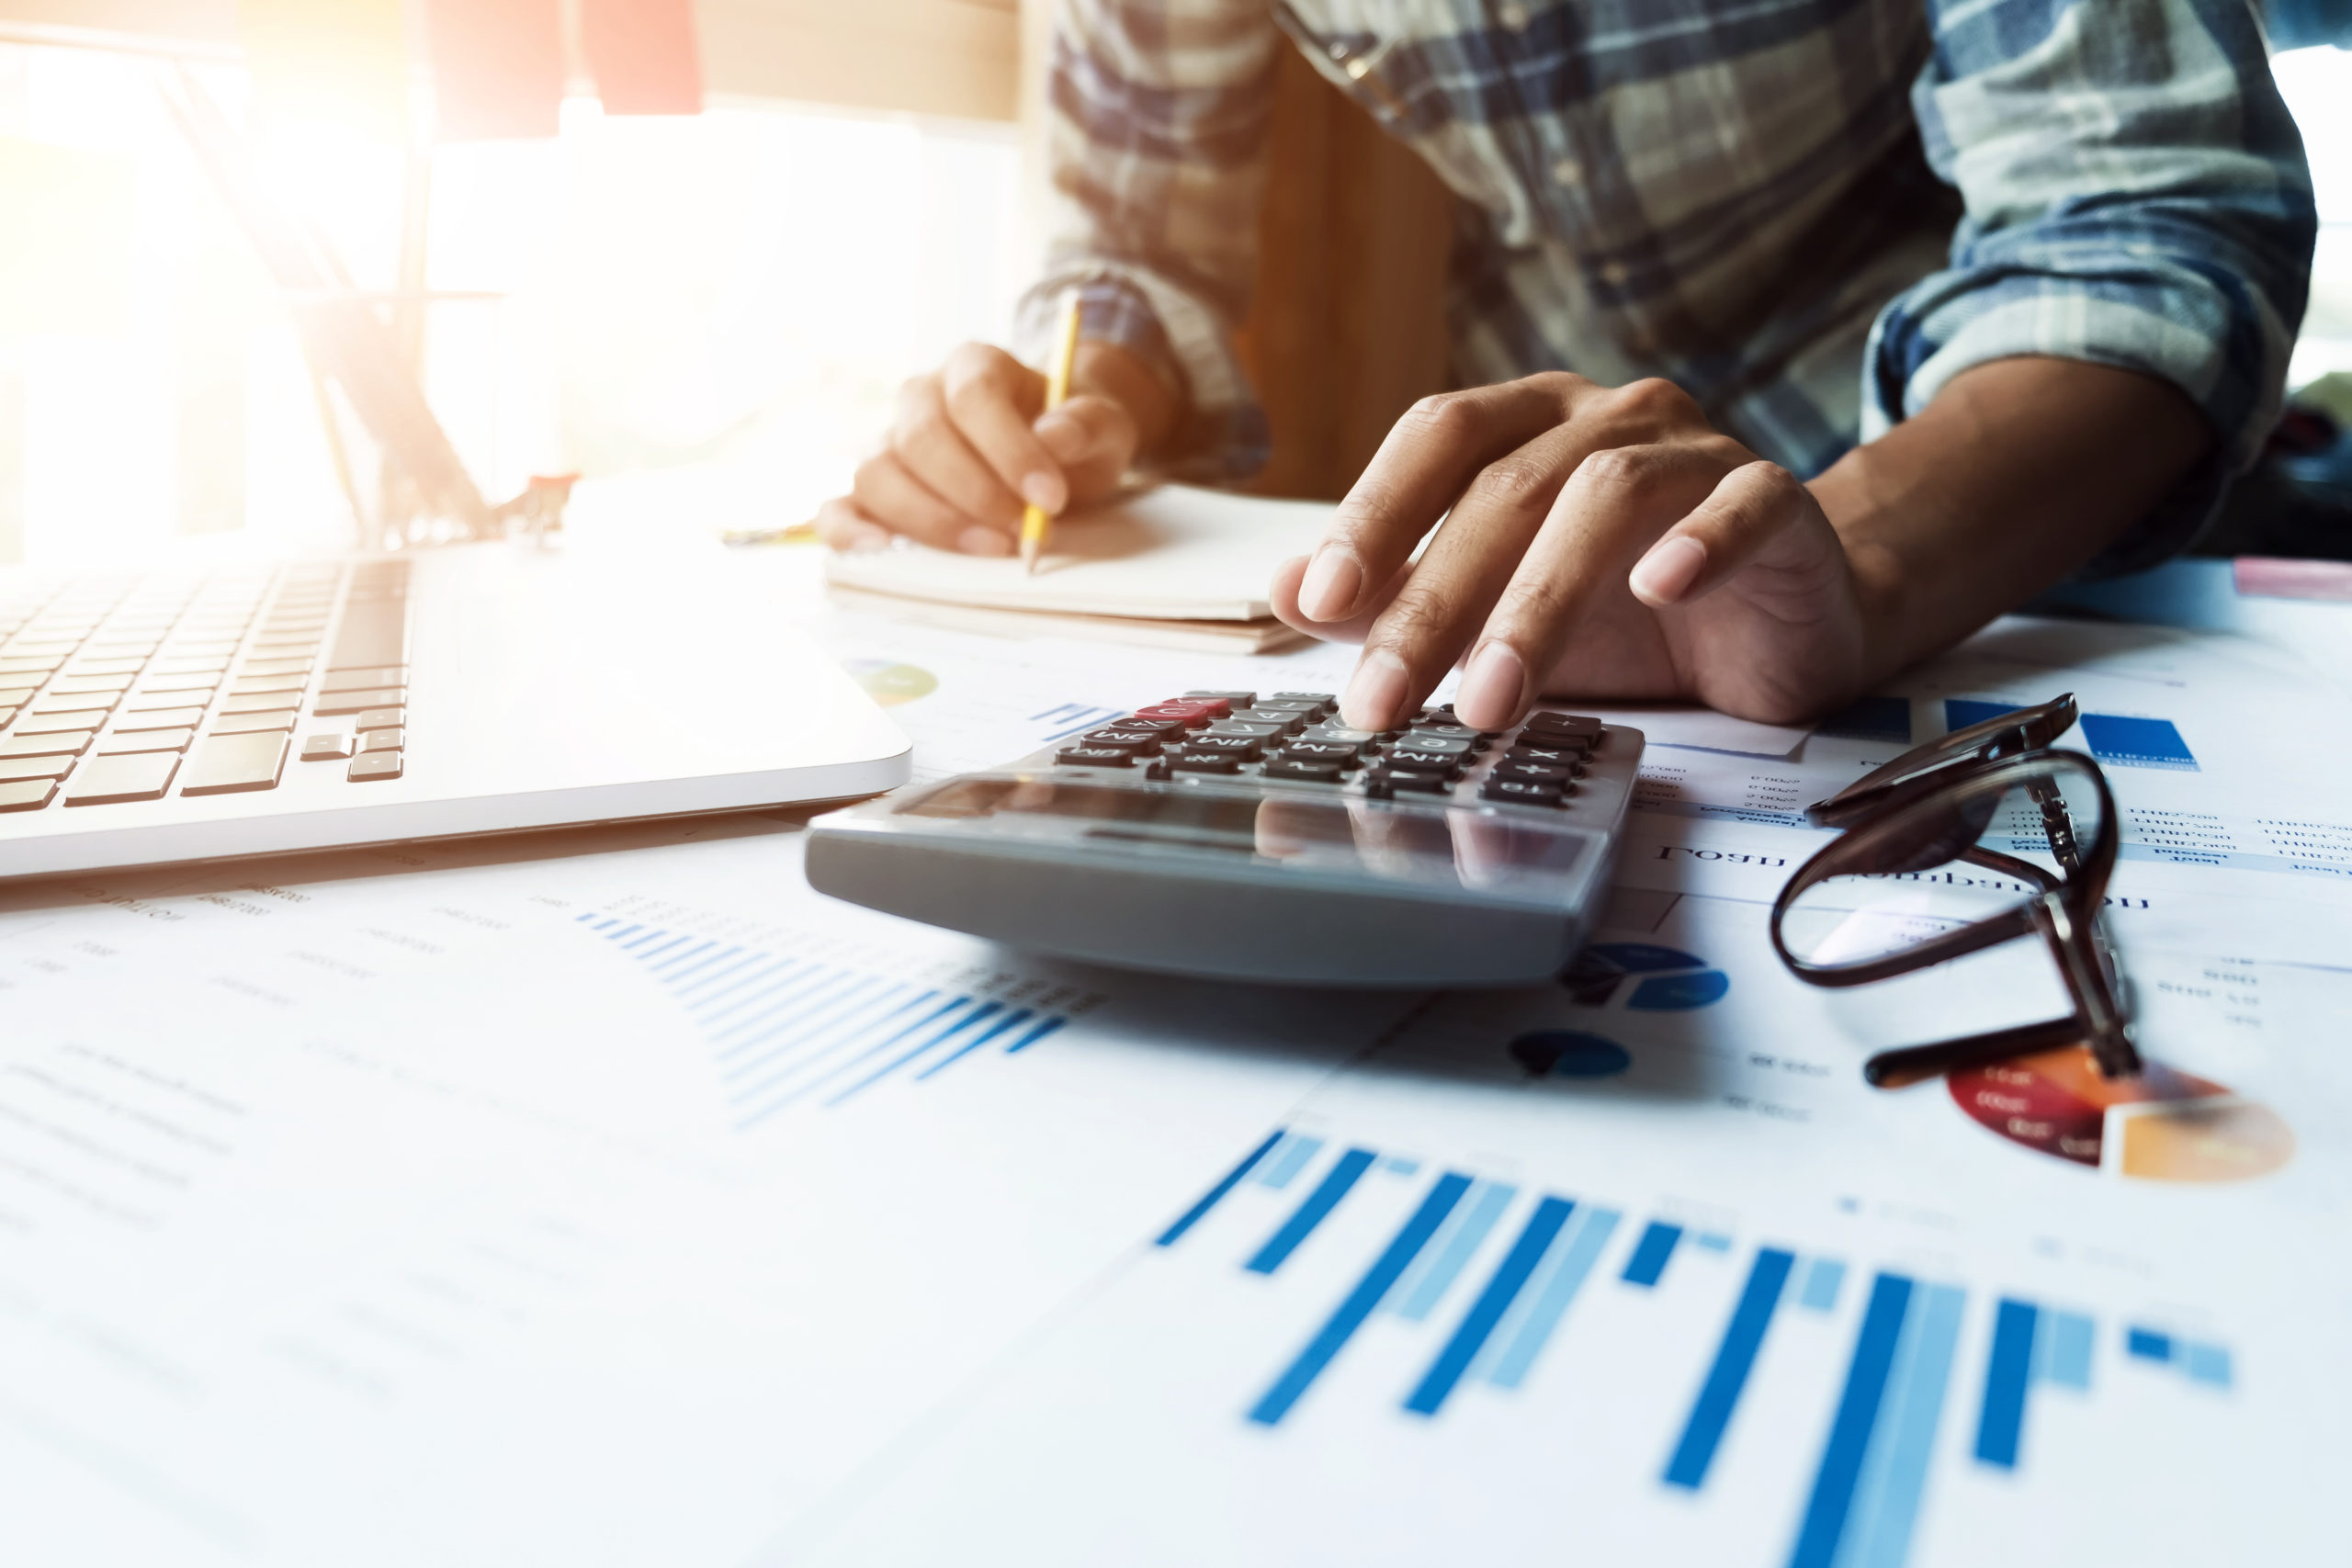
<point>971,445</point>
<point>1601,541</point>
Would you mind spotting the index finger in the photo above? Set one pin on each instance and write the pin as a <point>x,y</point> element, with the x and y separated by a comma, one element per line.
<point>993,398</point>
<point>1426,459</point>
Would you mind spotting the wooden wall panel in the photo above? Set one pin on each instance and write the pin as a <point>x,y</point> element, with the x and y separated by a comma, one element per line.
<point>1348,324</point>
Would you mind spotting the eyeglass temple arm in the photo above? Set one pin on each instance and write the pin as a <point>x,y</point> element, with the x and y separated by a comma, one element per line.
<point>1916,1064</point>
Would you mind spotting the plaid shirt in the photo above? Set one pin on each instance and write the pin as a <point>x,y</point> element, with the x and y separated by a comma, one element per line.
<point>1811,214</point>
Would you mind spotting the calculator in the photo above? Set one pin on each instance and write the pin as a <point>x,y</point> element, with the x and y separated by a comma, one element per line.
<point>1231,835</point>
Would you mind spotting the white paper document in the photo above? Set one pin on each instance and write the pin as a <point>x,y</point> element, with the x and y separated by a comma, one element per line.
<point>610,1198</point>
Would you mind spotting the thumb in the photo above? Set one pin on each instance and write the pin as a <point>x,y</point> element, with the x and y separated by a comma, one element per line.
<point>1093,439</point>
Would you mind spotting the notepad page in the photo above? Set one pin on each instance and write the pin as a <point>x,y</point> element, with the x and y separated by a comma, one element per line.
<point>1172,553</point>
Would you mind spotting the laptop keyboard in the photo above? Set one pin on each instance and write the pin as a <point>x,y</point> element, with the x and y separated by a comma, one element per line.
<point>124,688</point>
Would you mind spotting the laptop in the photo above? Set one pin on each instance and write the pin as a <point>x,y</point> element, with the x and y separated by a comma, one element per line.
<point>185,715</point>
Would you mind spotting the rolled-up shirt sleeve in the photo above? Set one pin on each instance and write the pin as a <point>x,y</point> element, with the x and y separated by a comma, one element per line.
<point>1155,132</point>
<point>2136,196</point>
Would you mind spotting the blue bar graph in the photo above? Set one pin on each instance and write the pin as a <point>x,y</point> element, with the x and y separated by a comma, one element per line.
<point>2062,1356</point>
<point>1850,1433</point>
<point>1333,1336</point>
<point>2200,1362</point>
<point>1502,1287</point>
<point>1735,1358</point>
<point>1210,1198</point>
<point>1435,1273</point>
<point>1885,1504</point>
<point>2001,1422</point>
<point>1823,1276</point>
<point>1552,1298</point>
<point>1650,1254</point>
<point>1294,1153</point>
<point>785,1028</point>
<point>1345,1172</point>
<point>1069,718</point>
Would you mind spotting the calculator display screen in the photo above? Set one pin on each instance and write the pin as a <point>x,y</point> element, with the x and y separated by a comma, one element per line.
<point>1485,851</point>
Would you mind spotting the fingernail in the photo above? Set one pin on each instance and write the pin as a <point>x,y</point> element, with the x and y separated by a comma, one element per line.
<point>1492,687</point>
<point>1333,583</point>
<point>867,539</point>
<point>1375,692</point>
<point>1045,492</point>
<point>1666,574</point>
<point>979,541</point>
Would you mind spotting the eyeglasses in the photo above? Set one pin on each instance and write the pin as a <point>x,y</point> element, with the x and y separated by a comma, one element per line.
<point>1889,896</point>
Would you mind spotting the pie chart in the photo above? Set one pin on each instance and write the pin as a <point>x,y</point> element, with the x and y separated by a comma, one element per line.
<point>1644,977</point>
<point>2165,1125</point>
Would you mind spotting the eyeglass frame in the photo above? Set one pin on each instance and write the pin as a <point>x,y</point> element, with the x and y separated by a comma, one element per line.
<point>1992,757</point>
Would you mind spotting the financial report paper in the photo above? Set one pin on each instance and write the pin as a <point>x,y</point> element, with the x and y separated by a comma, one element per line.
<point>616,1199</point>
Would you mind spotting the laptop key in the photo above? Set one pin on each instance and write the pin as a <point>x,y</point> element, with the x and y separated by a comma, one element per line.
<point>27,795</point>
<point>325,747</point>
<point>109,780</point>
<point>86,702</point>
<point>56,723</point>
<point>393,718</point>
<point>36,767</point>
<point>281,721</point>
<point>374,767</point>
<point>393,739</point>
<point>333,702</point>
<point>360,680</point>
<point>64,743</point>
<point>146,741</point>
<point>230,764</point>
<point>162,718</point>
<point>263,702</point>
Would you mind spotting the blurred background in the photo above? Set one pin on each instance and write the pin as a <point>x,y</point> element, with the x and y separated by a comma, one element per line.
<point>728,246</point>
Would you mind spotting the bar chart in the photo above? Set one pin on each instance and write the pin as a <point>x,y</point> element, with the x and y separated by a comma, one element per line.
<point>814,1025</point>
<point>1916,1376</point>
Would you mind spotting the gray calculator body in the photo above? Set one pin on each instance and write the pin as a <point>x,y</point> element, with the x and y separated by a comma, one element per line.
<point>1380,871</point>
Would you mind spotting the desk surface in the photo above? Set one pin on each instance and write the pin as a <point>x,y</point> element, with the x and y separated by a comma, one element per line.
<point>609,1198</point>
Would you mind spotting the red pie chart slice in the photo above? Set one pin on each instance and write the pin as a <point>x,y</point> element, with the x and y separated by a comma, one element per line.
<point>2165,1125</point>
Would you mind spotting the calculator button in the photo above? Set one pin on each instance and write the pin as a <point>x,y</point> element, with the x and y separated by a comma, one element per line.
<point>1308,751</point>
<point>1406,760</point>
<point>1417,783</point>
<point>1296,714</point>
<point>1246,748</point>
<point>1250,728</point>
<point>1205,763</point>
<point>1232,699</point>
<point>1564,724</point>
<point>1523,791</point>
<point>1445,745</point>
<point>1094,757</point>
<point>1340,734</point>
<point>374,768</point>
<point>1135,742</point>
<point>1533,773</point>
<point>1545,756</point>
<point>1326,698</point>
<point>1217,707</point>
<point>1441,729</point>
<point>1302,771</point>
<point>1154,726</point>
<point>1192,715</point>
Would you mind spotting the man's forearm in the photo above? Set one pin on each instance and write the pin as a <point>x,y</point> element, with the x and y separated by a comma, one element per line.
<point>2020,472</point>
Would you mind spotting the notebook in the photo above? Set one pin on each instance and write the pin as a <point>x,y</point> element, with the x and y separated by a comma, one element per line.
<point>1170,554</point>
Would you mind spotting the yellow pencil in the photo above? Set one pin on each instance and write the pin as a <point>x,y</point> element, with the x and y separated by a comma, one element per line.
<point>1035,524</point>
